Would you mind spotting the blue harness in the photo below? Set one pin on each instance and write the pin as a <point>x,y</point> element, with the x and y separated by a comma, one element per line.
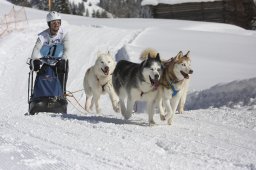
<point>175,92</point>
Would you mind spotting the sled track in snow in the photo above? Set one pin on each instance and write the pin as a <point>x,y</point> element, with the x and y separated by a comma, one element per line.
<point>35,156</point>
<point>25,155</point>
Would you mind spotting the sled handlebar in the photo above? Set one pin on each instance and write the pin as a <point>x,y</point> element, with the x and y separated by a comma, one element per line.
<point>46,60</point>
<point>49,61</point>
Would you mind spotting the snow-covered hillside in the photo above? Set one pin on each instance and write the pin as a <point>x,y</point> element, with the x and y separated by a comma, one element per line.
<point>223,60</point>
<point>234,94</point>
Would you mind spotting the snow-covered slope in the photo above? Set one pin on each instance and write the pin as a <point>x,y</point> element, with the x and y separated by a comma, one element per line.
<point>214,138</point>
<point>234,94</point>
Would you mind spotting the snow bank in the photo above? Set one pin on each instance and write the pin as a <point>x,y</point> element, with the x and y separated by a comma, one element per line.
<point>234,94</point>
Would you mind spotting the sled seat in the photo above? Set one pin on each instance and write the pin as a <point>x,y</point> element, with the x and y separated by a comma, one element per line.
<point>48,104</point>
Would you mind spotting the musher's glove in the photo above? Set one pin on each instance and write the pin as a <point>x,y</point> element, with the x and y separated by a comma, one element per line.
<point>36,64</point>
<point>61,66</point>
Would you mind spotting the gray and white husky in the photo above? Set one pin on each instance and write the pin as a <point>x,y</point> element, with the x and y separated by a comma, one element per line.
<point>137,82</point>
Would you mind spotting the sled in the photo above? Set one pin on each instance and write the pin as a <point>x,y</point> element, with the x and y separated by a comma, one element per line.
<point>47,92</point>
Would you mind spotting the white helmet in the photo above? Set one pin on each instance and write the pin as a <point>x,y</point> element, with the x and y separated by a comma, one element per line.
<point>53,15</point>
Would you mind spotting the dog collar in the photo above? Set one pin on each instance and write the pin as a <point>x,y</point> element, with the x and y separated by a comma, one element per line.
<point>175,92</point>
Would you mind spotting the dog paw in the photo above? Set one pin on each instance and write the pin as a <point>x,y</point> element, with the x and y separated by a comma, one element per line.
<point>169,121</point>
<point>88,110</point>
<point>127,116</point>
<point>98,110</point>
<point>117,109</point>
<point>162,117</point>
<point>180,111</point>
<point>152,123</point>
<point>116,106</point>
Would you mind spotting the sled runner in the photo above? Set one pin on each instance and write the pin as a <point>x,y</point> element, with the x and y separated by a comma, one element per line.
<point>47,92</point>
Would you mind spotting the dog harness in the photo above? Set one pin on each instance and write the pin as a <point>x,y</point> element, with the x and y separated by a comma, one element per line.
<point>103,85</point>
<point>175,92</point>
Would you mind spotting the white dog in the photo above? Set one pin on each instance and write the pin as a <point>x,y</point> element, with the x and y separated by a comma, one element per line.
<point>98,81</point>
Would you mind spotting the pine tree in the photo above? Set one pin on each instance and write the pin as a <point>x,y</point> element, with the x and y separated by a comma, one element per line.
<point>73,8</point>
<point>40,4</point>
<point>104,14</point>
<point>122,8</point>
<point>81,8</point>
<point>93,14</point>
<point>97,15</point>
<point>20,2</point>
<point>87,13</point>
<point>61,6</point>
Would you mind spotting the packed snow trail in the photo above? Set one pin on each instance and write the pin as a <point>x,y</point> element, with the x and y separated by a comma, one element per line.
<point>48,141</point>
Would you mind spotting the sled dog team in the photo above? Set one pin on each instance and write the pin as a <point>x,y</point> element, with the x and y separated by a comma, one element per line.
<point>158,82</point>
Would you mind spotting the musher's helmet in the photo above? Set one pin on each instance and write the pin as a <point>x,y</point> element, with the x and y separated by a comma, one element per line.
<point>51,16</point>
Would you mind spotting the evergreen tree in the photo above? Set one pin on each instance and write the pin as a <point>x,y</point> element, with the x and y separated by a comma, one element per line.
<point>61,6</point>
<point>40,4</point>
<point>73,8</point>
<point>93,14</point>
<point>81,8</point>
<point>104,14</point>
<point>20,2</point>
<point>97,15</point>
<point>122,8</point>
<point>87,13</point>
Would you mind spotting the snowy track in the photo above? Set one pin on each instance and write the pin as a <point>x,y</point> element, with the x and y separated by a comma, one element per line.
<point>48,141</point>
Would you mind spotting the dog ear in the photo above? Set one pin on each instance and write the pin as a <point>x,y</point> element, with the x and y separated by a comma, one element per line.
<point>163,66</point>
<point>178,56</point>
<point>98,54</point>
<point>188,54</point>
<point>158,57</point>
<point>149,56</point>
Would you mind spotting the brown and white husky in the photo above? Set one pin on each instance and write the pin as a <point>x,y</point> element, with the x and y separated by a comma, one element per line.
<point>174,82</point>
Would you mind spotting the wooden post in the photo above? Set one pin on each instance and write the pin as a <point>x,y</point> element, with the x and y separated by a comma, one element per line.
<point>15,19</point>
<point>50,5</point>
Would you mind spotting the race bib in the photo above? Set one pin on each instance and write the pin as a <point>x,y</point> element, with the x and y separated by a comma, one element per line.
<point>55,51</point>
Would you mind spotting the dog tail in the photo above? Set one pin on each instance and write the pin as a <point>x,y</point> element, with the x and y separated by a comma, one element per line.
<point>144,54</point>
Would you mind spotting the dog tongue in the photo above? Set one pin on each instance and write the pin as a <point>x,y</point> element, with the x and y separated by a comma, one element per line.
<point>186,76</point>
<point>106,72</point>
<point>156,84</point>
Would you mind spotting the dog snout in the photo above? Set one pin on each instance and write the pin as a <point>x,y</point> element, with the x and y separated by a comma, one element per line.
<point>107,68</point>
<point>190,71</point>
<point>156,77</point>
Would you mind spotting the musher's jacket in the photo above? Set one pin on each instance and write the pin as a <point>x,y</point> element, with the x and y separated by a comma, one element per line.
<point>56,46</point>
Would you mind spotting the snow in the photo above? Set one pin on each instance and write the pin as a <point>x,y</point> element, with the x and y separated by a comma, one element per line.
<point>233,94</point>
<point>156,2</point>
<point>221,137</point>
